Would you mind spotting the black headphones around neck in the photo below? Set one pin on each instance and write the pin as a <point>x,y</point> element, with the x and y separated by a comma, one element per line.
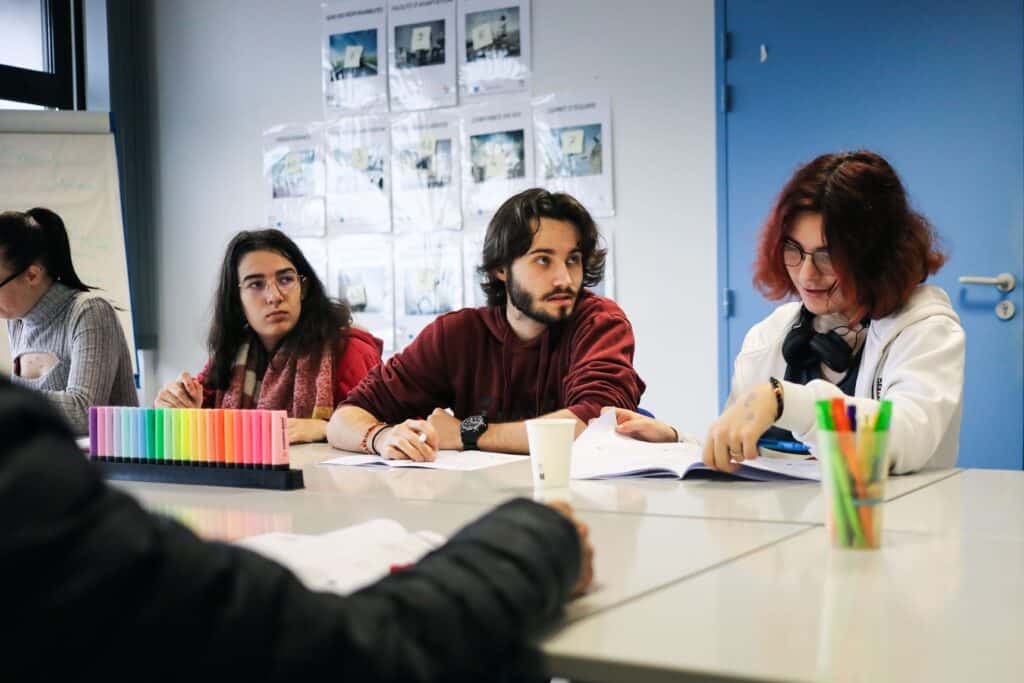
<point>804,347</point>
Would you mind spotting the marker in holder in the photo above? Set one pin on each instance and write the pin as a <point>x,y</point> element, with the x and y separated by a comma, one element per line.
<point>246,448</point>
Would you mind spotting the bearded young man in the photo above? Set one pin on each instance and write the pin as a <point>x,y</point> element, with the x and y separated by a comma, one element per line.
<point>544,346</point>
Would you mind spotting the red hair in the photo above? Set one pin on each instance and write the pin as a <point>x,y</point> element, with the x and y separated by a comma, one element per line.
<point>881,248</point>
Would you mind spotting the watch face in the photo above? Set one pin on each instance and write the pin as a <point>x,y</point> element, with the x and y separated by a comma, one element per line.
<point>474,423</point>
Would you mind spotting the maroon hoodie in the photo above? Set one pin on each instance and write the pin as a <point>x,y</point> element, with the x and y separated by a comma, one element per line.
<point>472,362</point>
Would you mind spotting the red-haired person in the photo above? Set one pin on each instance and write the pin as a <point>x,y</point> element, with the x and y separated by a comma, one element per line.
<point>843,238</point>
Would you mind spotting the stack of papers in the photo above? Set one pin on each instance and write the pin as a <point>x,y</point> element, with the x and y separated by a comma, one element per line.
<point>348,559</point>
<point>602,453</point>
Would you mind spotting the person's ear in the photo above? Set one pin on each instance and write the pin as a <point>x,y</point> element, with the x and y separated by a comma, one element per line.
<point>34,274</point>
<point>501,273</point>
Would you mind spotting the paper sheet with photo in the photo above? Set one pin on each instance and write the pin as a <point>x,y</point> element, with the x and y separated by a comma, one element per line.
<point>354,54</point>
<point>462,461</point>
<point>315,251</point>
<point>358,165</point>
<point>348,559</point>
<point>422,54</point>
<point>293,175</point>
<point>494,46</point>
<point>426,187</point>
<point>361,271</point>
<point>574,147</point>
<point>472,257</point>
<point>497,156</point>
<point>428,269</point>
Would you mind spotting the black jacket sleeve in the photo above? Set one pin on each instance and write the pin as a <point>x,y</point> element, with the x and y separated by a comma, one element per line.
<point>94,582</point>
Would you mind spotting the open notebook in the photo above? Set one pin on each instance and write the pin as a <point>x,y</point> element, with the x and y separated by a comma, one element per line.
<point>348,559</point>
<point>601,453</point>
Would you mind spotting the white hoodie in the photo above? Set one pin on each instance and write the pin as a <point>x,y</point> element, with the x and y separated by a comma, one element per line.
<point>914,358</point>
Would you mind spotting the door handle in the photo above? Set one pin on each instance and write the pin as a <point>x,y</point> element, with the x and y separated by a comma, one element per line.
<point>1004,282</point>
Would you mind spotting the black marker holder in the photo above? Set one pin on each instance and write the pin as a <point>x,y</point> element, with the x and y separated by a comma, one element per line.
<point>280,478</point>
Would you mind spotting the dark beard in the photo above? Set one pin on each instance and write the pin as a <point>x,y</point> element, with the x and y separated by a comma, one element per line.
<point>524,303</point>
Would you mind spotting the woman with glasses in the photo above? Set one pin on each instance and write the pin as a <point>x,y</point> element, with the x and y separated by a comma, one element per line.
<point>65,341</point>
<point>276,340</point>
<point>844,240</point>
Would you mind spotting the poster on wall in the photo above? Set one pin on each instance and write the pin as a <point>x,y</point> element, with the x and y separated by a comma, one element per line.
<point>497,154</point>
<point>293,175</point>
<point>426,184</point>
<point>361,271</point>
<point>494,46</point>
<point>315,251</point>
<point>574,148</point>
<point>472,257</point>
<point>358,160</point>
<point>421,68</point>
<point>428,267</point>
<point>354,50</point>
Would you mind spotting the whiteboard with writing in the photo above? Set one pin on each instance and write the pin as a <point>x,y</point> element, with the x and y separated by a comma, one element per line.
<point>65,161</point>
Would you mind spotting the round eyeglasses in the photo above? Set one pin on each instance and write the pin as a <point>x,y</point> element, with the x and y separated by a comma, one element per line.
<point>259,288</point>
<point>793,256</point>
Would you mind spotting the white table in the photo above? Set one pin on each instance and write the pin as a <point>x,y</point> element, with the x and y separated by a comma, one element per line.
<point>716,579</point>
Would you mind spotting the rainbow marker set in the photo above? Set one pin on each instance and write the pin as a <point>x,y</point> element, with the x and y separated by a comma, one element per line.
<point>195,446</point>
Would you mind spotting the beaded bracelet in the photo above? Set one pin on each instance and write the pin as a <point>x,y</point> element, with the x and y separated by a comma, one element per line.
<point>777,388</point>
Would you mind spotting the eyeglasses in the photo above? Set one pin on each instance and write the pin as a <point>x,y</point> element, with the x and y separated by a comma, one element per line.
<point>11,277</point>
<point>259,288</point>
<point>793,256</point>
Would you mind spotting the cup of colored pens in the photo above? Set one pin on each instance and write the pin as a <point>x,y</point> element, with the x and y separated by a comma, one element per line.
<point>854,467</point>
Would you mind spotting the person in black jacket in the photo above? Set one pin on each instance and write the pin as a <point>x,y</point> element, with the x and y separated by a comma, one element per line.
<point>94,582</point>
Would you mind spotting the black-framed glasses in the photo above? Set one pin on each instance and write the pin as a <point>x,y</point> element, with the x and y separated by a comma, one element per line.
<point>793,256</point>
<point>11,277</point>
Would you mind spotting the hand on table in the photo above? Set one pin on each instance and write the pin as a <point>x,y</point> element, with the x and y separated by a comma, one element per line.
<point>586,576</point>
<point>410,440</point>
<point>732,438</point>
<point>183,392</point>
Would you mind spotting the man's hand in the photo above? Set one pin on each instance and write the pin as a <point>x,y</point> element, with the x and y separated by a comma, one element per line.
<point>448,428</point>
<point>586,576</point>
<point>409,440</point>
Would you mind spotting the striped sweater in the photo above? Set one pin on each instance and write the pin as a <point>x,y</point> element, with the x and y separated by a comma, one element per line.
<point>93,367</point>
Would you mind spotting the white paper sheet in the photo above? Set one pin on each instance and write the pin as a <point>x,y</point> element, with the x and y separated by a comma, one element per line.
<point>293,173</point>
<point>494,46</point>
<point>354,48</point>
<point>422,54</point>
<point>427,184</point>
<point>348,559</point>
<point>497,156</point>
<point>358,157</point>
<point>462,461</point>
<point>574,147</point>
<point>428,269</point>
<point>361,271</point>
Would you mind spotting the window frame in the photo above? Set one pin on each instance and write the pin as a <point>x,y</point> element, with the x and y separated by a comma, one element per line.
<point>62,86</point>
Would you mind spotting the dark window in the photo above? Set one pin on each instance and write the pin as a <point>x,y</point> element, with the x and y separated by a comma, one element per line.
<point>41,54</point>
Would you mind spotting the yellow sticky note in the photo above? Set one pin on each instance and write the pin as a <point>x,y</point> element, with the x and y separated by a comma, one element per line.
<point>420,38</point>
<point>360,158</point>
<point>353,55</point>
<point>425,279</point>
<point>495,167</point>
<point>427,145</point>
<point>572,141</point>
<point>482,36</point>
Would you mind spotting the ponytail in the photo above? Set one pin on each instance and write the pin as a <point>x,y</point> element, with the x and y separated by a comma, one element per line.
<point>39,235</point>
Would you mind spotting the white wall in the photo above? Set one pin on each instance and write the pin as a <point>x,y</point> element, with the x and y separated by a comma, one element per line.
<point>224,71</point>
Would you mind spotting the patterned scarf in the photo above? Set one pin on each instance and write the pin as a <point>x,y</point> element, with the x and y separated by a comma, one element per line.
<point>302,384</point>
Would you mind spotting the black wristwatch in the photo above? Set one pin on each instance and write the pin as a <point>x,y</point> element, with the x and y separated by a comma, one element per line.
<point>471,429</point>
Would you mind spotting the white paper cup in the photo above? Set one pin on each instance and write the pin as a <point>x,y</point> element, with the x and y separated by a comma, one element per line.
<point>550,450</point>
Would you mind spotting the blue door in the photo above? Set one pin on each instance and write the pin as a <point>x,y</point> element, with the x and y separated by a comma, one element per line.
<point>935,86</point>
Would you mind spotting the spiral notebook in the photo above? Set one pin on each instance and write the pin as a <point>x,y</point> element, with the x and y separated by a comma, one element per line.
<point>601,453</point>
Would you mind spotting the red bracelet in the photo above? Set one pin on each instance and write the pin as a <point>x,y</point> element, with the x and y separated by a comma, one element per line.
<point>362,444</point>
